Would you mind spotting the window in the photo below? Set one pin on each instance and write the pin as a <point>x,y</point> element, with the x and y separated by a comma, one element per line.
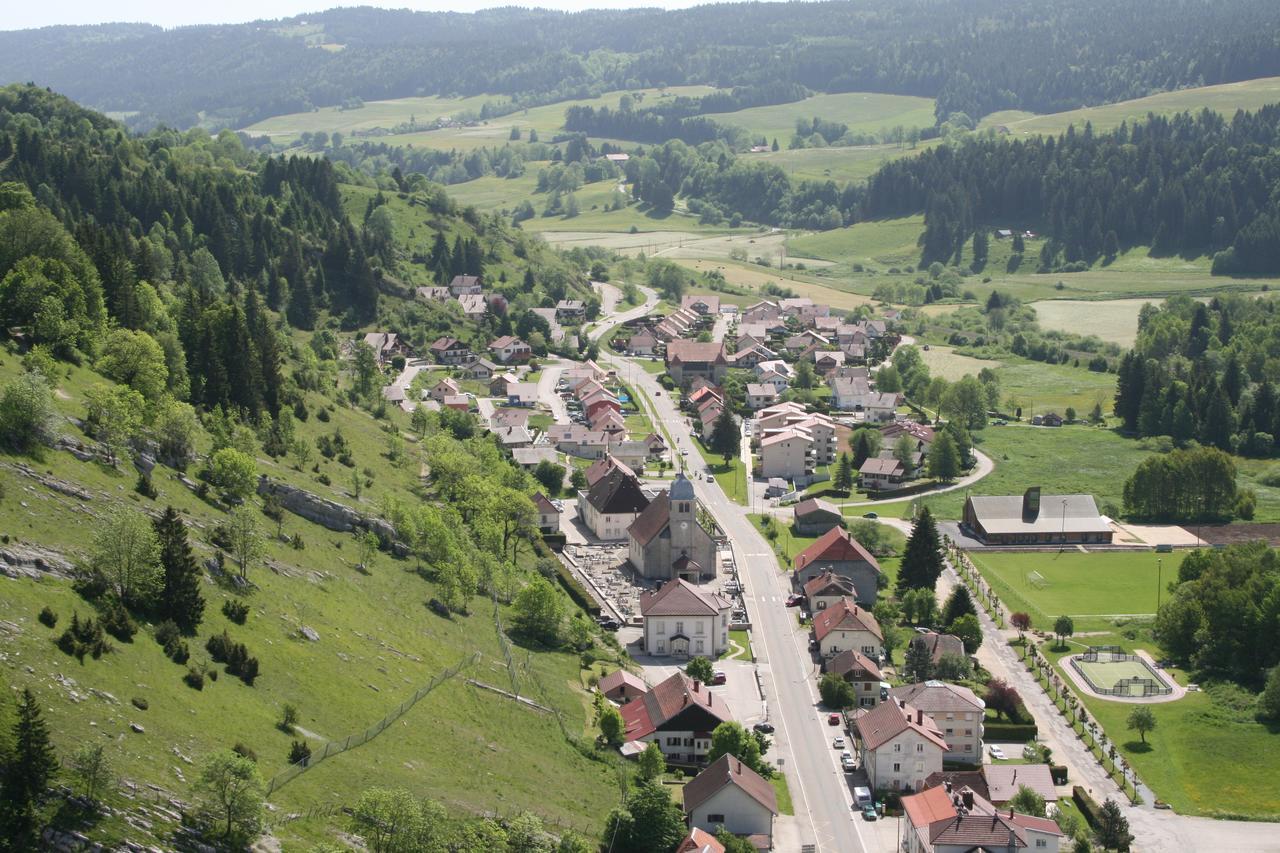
<point>968,747</point>
<point>662,627</point>
<point>897,747</point>
<point>951,731</point>
<point>919,747</point>
<point>679,627</point>
<point>715,819</point>
<point>673,741</point>
<point>1041,842</point>
<point>897,768</point>
<point>662,647</point>
<point>968,732</point>
<point>701,627</point>
<point>950,716</point>
<point>698,649</point>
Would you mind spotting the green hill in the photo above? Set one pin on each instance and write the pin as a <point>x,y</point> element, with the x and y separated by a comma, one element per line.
<point>155,286</point>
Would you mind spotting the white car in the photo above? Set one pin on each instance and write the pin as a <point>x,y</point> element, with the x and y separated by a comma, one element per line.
<point>996,752</point>
<point>838,742</point>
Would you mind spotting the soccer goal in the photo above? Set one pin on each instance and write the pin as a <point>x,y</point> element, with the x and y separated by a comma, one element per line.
<point>1037,580</point>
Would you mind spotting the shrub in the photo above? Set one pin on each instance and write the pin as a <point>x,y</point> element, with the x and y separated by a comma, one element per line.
<point>117,622</point>
<point>170,637</point>
<point>140,703</point>
<point>288,719</point>
<point>235,655</point>
<point>300,753</point>
<point>144,487</point>
<point>83,638</point>
<point>48,618</point>
<point>236,611</point>
<point>245,752</point>
<point>1087,805</point>
<point>194,678</point>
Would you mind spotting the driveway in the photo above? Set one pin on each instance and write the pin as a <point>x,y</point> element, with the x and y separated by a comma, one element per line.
<point>405,379</point>
<point>547,390</point>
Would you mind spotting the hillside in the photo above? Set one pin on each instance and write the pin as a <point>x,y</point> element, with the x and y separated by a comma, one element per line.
<point>973,57</point>
<point>148,293</point>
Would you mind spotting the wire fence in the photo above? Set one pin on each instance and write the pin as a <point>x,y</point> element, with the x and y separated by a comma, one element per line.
<point>335,747</point>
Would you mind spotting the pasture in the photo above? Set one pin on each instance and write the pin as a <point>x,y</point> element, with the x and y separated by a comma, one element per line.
<point>1225,98</point>
<point>863,112</point>
<point>1115,321</point>
<point>853,163</point>
<point>754,277</point>
<point>950,365</point>
<point>547,119</point>
<point>882,242</point>
<point>1090,588</point>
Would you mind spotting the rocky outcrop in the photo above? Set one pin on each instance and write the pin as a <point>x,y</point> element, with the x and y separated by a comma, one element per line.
<point>327,513</point>
<point>62,487</point>
<point>32,561</point>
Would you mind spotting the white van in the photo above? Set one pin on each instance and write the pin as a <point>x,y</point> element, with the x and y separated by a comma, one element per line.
<point>862,796</point>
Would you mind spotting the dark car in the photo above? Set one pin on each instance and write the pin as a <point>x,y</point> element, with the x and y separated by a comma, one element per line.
<point>718,677</point>
<point>870,515</point>
<point>794,600</point>
<point>764,727</point>
<point>610,624</point>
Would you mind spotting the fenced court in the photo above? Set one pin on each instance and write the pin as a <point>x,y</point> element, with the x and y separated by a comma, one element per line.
<point>1111,672</point>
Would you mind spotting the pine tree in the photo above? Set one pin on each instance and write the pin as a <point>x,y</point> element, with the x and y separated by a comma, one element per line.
<point>959,603</point>
<point>843,479</point>
<point>918,665</point>
<point>181,600</point>
<point>33,763</point>
<point>922,561</point>
<point>726,438</point>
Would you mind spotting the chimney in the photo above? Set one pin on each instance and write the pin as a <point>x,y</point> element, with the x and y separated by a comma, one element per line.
<point>946,786</point>
<point>919,717</point>
<point>966,796</point>
<point>1010,813</point>
<point>696,685</point>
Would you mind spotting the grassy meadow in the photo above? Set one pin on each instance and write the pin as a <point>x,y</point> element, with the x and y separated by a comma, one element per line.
<point>863,112</point>
<point>1225,98</point>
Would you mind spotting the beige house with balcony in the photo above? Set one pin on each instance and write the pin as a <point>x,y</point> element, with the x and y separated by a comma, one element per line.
<point>787,454</point>
<point>900,746</point>
<point>957,712</point>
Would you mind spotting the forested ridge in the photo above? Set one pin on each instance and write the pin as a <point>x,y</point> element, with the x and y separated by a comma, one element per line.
<point>975,56</point>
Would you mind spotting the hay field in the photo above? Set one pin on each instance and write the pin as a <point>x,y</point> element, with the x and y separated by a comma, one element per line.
<point>863,112</point>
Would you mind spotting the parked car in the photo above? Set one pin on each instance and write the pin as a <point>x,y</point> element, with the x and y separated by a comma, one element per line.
<point>684,452</point>
<point>813,645</point>
<point>833,719</point>
<point>847,764</point>
<point>837,742</point>
<point>794,600</point>
<point>870,515</point>
<point>764,727</point>
<point>711,478</point>
<point>869,812</point>
<point>996,752</point>
<point>718,677</point>
<point>862,797</point>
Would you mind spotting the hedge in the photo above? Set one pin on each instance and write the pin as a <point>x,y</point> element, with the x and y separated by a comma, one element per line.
<point>576,591</point>
<point>1009,732</point>
<point>1088,807</point>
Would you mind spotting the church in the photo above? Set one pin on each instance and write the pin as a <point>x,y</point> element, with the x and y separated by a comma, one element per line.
<point>666,541</point>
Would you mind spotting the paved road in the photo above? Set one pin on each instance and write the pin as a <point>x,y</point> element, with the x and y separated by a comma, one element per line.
<point>819,789</point>
<point>547,390</point>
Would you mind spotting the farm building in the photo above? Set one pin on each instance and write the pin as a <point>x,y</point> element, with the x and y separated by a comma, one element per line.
<point>1035,519</point>
<point>815,517</point>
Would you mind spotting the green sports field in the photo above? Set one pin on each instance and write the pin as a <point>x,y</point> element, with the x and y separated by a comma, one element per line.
<point>1105,674</point>
<point>1091,588</point>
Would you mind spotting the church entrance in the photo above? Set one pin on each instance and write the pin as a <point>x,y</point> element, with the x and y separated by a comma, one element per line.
<point>680,646</point>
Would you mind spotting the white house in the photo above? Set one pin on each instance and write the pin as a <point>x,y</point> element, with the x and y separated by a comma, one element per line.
<point>683,620</point>
<point>957,712</point>
<point>787,454</point>
<point>947,819</point>
<point>679,714</point>
<point>760,395</point>
<point>730,794</point>
<point>843,626</point>
<point>610,506</point>
<point>900,746</point>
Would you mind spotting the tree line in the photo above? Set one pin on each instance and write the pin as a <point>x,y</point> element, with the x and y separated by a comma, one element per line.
<point>973,57</point>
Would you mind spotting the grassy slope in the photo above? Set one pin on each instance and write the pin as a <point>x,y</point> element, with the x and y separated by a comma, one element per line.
<point>863,112</point>
<point>378,644</point>
<point>547,120</point>
<point>1225,98</point>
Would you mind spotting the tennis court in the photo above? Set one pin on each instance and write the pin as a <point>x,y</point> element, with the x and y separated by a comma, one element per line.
<point>1105,674</point>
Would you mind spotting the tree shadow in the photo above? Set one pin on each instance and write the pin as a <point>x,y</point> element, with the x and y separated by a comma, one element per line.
<point>1138,746</point>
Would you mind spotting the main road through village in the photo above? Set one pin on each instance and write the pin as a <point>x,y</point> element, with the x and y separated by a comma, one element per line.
<point>819,790</point>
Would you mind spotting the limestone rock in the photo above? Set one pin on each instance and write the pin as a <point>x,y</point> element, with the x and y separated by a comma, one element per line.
<point>136,728</point>
<point>310,634</point>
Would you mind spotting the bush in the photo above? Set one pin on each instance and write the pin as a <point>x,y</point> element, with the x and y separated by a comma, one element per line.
<point>170,637</point>
<point>140,703</point>
<point>1009,732</point>
<point>83,638</point>
<point>300,753</point>
<point>194,678</point>
<point>236,611</point>
<point>1059,774</point>
<point>235,655</point>
<point>1087,806</point>
<point>48,618</point>
<point>117,622</point>
<point>144,487</point>
<point>245,752</point>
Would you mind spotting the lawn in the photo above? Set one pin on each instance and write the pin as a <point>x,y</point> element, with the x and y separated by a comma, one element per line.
<point>779,782</point>
<point>1208,755</point>
<point>1039,387</point>
<point>1088,587</point>
<point>863,112</point>
<point>743,639</point>
<point>1062,460</point>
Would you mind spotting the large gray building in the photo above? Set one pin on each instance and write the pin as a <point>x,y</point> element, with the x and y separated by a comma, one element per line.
<point>666,541</point>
